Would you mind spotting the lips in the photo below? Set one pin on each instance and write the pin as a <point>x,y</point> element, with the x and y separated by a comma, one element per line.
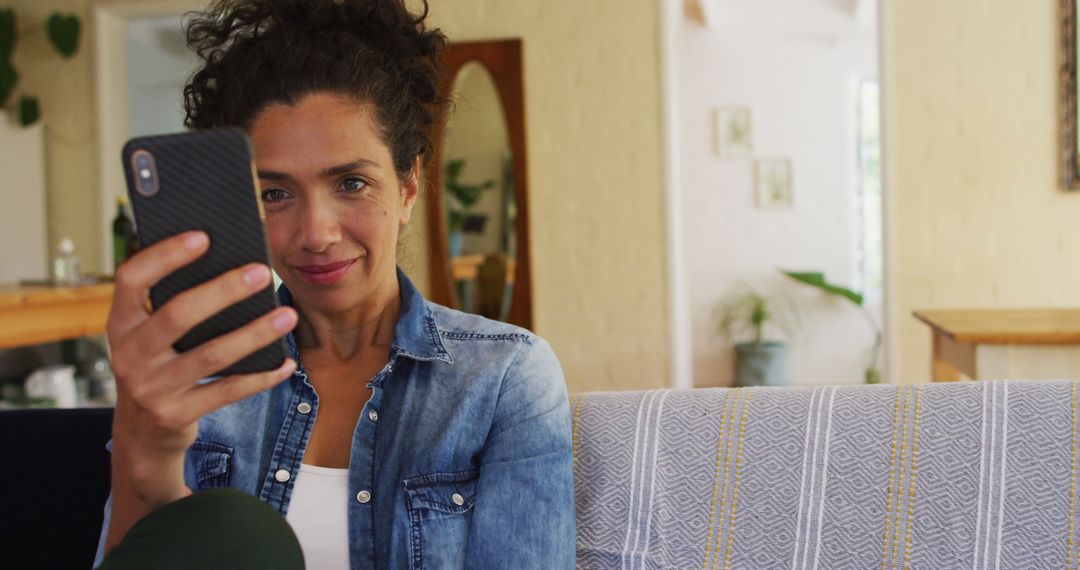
<point>325,274</point>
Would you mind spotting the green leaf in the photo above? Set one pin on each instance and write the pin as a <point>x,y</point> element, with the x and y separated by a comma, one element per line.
<point>8,79</point>
<point>29,110</point>
<point>7,33</point>
<point>455,220</point>
<point>454,169</point>
<point>64,33</point>
<point>818,281</point>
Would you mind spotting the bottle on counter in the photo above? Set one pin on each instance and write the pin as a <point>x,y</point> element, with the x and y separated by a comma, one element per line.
<point>125,242</point>
<point>66,264</point>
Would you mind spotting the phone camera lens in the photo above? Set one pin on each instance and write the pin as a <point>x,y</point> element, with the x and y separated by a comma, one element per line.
<point>145,173</point>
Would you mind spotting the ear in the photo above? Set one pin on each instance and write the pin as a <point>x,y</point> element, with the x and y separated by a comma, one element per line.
<point>410,191</point>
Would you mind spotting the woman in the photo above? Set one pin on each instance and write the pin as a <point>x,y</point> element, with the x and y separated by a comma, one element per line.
<point>400,434</point>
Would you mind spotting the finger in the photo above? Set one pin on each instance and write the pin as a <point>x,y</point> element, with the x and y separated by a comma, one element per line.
<point>191,307</point>
<point>209,397</point>
<point>135,277</point>
<point>217,354</point>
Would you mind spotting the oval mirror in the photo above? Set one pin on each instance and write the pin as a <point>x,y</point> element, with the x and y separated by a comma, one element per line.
<point>479,206</point>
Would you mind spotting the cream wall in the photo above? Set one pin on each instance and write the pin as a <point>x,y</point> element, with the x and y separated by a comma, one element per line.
<point>592,83</point>
<point>592,93</point>
<point>67,108</point>
<point>978,218</point>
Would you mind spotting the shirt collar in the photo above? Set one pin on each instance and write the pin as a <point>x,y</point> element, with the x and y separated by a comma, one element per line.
<point>416,334</point>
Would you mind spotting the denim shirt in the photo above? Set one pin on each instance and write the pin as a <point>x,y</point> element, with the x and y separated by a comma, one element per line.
<point>461,457</point>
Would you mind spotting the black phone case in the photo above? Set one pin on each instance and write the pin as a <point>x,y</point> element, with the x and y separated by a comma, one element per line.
<point>206,182</point>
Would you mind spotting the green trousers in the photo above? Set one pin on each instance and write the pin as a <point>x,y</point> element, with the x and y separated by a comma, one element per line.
<point>222,528</point>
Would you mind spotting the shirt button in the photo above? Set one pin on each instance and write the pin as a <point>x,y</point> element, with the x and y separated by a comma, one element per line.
<point>363,496</point>
<point>282,475</point>
<point>373,415</point>
<point>303,408</point>
<point>458,499</point>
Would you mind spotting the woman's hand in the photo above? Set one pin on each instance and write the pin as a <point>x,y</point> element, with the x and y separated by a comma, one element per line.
<point>159,399</point>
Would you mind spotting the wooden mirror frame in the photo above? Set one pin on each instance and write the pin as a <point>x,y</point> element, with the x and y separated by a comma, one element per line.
<point>1070,169</point>
<point>502,59</point>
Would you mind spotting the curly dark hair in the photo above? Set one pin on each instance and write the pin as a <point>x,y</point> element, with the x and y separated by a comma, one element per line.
<point>260,52</point>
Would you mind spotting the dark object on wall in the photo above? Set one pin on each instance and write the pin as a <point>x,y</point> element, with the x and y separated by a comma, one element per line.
<point>64,33</point>
<point>29,110</point>
<point>56,480</point>
<point>63,30</point>
<point>1067,94</point>
<point>8,76</point>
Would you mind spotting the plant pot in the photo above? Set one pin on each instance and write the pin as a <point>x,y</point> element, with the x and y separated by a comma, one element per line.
<point>457,243</point>
<point>761,364</point>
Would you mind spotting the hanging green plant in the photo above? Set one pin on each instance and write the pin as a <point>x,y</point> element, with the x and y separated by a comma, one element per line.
<point>29,110</point>
<point>8,78</point>
<point>64,33</point>
<point>7,33</point>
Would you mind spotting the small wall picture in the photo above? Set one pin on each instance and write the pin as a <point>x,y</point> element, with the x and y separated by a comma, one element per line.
<point>733,132</point>
<point>775,183</point>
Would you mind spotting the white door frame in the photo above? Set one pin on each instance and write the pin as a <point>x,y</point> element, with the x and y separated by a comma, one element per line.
<point>680,350</point>
<point>890,257</point>
<point>110,22</point>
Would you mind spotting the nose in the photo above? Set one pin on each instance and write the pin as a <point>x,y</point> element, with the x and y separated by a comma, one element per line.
<point>319,227</point>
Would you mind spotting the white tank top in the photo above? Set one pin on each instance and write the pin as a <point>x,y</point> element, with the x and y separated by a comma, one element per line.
<point>318,516</point>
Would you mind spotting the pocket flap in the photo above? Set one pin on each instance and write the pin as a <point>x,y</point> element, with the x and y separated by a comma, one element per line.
<point>211,460</point>
<point>445,492</point>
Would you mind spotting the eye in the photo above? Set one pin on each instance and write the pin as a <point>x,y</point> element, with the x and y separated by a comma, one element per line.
<point>353,184</point>
<point>273,195</point>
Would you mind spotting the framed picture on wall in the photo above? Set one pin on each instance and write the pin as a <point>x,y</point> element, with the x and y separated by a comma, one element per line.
<point>774,181</point>
<point>733,132</point>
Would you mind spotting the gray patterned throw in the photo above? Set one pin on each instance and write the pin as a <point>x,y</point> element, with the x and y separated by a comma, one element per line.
<point>967,475</point>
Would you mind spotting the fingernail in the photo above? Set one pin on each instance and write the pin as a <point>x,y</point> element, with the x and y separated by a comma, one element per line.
<point>256,275</point>
<point>284,321</point>
<point>195,241</point>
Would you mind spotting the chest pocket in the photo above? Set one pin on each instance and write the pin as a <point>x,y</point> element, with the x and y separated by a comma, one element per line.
<point>440,507</point>
<point>211,462</point>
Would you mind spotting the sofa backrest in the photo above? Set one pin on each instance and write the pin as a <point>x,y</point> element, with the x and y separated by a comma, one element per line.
<point>56,479</point>
<point>972,475</point>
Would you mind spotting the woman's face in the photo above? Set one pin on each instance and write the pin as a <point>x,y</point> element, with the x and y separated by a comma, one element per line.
<point>333,201</point>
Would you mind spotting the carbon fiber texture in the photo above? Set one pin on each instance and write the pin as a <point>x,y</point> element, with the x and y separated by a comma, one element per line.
<point>206,183</point>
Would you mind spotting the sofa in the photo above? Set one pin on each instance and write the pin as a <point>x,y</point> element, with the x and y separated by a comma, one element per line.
<point>965,475</point>
<point>971,475</point>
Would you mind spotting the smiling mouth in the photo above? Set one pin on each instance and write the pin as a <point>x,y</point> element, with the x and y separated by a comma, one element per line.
<point>329,267</point>
<point>326,274</point>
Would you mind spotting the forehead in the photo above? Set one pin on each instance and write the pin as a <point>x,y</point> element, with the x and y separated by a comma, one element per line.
<point>317,130</point>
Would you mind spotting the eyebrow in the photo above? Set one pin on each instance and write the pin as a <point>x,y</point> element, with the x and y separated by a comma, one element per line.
<point>328,172</point>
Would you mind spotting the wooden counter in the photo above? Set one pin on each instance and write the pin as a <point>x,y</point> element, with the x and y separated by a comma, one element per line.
<point>1004,343</point>
<point>40,314</point>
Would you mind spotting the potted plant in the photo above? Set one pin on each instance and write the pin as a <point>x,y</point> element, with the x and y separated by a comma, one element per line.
<point>871,370</point>
<point>746,319</point>
<point>464,197</point>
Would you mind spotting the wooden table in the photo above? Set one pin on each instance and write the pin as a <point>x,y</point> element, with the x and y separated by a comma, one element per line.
<point>39,314</point>
<point>993,344</point>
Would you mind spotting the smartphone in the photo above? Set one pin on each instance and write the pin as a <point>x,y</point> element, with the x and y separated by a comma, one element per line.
<point>204,180</point>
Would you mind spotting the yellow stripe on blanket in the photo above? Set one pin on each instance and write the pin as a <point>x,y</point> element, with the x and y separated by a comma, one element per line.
<point>903,471</point>
<point>721,461</point>
<point>738,469</point>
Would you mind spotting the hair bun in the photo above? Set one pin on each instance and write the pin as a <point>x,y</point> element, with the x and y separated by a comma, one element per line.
<point>258,52</point>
